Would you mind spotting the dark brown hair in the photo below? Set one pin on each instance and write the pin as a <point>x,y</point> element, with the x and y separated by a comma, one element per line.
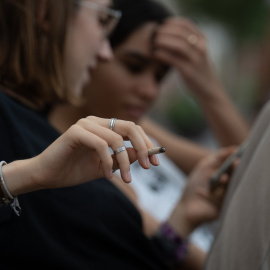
<point>31,59</point>
<point>136,13</point>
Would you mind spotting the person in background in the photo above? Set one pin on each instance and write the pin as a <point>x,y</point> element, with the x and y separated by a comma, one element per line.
<point>147,43</point>
<point>49,50</point>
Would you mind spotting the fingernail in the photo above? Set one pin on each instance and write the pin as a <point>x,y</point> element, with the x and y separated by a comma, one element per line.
<point>128,176</point>
<point>147,162</point>
<point>156,159</point>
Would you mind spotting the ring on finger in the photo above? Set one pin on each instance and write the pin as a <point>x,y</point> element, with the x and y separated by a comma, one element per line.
<point>119,150</point>
<point>192,39</point>
<point>112,123</point>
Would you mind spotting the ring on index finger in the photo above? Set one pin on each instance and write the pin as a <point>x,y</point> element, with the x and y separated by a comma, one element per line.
<point>192,39</point>
<point>119,150</point>
<point>112,123</point>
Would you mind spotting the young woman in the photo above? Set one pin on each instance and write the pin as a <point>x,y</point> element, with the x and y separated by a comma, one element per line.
<point>46,57</point>
<point>48,49</point>
<point>146,43</point>
<point>43,62</point>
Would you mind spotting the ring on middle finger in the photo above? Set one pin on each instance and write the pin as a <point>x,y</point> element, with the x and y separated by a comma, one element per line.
<point>192,39</point>
<point>112,123</point>
<point>119,150</point>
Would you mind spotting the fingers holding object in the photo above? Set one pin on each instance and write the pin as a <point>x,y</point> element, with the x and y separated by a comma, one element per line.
<point>114,132</point>
<point>139,140</point>
<point>82,137</point>
<point>110,139</point>
<point>126,130</point>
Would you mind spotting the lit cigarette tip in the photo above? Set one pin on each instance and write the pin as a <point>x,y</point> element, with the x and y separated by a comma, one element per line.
<point>162,149</point>
<point>156,150</point>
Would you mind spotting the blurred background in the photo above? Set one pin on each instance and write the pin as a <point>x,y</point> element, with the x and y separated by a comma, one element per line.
<point>238,34</point>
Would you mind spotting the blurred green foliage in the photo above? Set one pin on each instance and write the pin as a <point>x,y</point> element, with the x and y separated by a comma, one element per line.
<point>246,19</point>
<point>186,117</point>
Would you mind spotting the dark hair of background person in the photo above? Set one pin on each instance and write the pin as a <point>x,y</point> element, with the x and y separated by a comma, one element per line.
<point>134,14</point>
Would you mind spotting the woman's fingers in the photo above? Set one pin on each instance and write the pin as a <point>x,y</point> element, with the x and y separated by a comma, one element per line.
<point>215,197</point>
<point>79,155</point>
<point>182,39</point>
<point>113,140</point>
<point>83,153</point>
<point>181,26</point>
<point>217,158</point>
<point>153,158</point>
<point>132,154</point>
<point>114,135</point>
<point>181,47</point>
<point>130,131</point>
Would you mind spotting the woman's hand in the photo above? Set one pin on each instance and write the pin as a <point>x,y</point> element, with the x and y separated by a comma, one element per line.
<point>198,204</point>
<point>82,154</point>
<point>180,44</point>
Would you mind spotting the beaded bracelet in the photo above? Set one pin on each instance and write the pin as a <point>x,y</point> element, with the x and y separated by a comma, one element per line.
<point>171,245</point>
<point>13,201</point>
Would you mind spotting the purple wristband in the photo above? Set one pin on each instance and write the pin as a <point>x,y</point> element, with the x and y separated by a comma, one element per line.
<point>178,245</point>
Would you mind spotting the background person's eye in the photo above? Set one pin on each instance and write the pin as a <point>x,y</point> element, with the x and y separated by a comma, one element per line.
<point>161,73</point>
<point>134,68</point>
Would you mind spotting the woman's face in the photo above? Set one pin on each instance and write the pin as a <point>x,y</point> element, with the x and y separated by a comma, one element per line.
<point>85,45</point>
<point>126,86</point>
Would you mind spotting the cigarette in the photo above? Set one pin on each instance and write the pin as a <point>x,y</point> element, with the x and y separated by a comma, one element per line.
<point>156,150</point>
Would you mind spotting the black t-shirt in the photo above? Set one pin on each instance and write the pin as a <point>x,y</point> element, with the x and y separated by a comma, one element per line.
<point>90,226</point>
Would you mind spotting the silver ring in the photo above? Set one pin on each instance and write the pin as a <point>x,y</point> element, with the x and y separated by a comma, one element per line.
<point>120,149</point>
<point>112,123</point>
<point>192,39</point>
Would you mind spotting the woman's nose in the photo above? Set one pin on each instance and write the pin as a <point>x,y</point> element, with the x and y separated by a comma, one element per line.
<point>148,87</point>
<point>105,51</point>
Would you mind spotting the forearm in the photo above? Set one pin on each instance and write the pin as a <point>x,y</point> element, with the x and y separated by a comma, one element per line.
<point>200,78</point>
<point>195,257</point>
<point>223,117</point>
<point>191,259</point>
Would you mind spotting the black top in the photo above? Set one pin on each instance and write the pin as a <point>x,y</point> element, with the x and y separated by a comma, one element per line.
<point>91,226</point>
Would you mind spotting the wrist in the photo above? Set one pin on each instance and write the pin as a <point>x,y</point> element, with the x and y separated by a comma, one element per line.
<point>173,248</point>
<point>180,222</point>
<point>19,178</point>
<point>6,197</point>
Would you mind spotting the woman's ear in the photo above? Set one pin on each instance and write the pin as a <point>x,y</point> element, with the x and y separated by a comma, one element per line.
<point>42,15</point>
